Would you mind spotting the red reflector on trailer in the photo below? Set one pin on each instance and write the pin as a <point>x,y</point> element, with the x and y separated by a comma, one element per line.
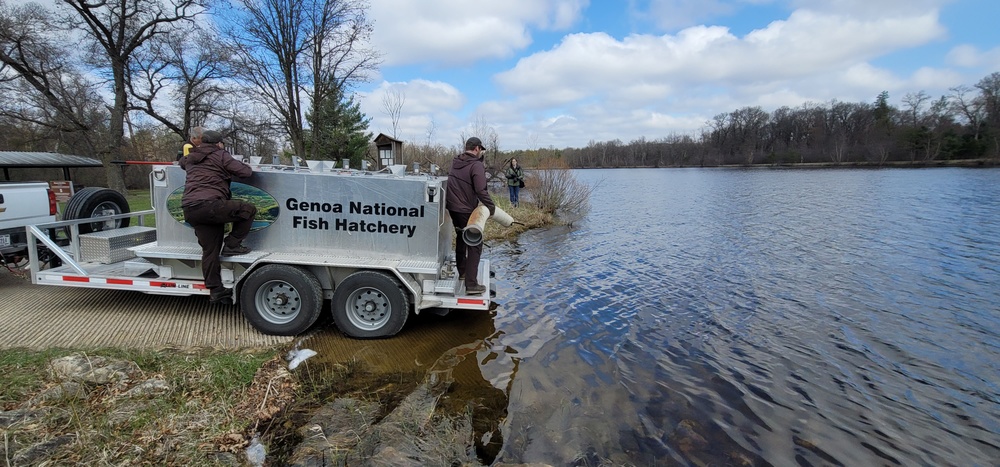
<point>119,281</point>
<point>75,279</point>
<point>466,301</point>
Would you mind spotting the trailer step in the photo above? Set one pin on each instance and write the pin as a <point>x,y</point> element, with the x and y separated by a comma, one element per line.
<point>193,253</point>
<point>446,286</point>
<point>452,291</point>
<point>418,267</point>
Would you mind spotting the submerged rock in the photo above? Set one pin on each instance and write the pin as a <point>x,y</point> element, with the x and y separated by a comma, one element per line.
<point>332,429</point>
<point>345,431</point>
<point>687,439</point>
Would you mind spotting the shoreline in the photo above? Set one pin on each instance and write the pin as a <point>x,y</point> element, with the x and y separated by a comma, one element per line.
<point>969,163</point>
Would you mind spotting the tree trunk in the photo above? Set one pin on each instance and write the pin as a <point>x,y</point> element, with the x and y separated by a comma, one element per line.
<point>116,133</point>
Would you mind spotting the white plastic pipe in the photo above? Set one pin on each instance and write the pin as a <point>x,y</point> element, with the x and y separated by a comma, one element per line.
<point>501,216</point>
<point>472,234</point>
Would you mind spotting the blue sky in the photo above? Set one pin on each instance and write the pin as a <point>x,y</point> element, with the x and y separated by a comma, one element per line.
<point>562,73</point>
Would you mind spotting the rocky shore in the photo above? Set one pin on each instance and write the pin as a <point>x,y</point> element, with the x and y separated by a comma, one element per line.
<point>116,397</point>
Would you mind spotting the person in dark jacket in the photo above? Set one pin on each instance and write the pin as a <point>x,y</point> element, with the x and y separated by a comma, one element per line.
<point>515,178</point>
<point>208,206</point>
<point>466,189</point>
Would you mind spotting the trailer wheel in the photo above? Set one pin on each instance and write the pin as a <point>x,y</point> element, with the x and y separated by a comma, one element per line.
<point>281,300</point>
<point>370,304</point>
<point>96,202</point>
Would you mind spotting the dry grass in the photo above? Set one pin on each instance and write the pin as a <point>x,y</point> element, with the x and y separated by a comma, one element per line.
<point>197,421</point>
<point>555,190</point>
<point>526,217</point>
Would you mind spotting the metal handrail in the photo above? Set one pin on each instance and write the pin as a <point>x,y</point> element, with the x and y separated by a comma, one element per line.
<point>36,233</point>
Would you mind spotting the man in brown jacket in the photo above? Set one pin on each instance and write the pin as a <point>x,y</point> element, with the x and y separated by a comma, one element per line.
<point>466,189</point>
<point>208,206</point>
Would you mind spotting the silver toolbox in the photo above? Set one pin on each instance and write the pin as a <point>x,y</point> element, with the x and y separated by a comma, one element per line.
<point>111,246</point>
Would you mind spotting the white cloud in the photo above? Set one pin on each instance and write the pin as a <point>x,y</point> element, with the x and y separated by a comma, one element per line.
<point>932,78</point>
<point>965,55</point>
<point>459,32</point>
<point>868,8</point>
<point>424,102</point>
<point>865,76</point>
<point>969,56</point>
<point>594,86</point>
<point>672,14</point>
<point>644,67</point>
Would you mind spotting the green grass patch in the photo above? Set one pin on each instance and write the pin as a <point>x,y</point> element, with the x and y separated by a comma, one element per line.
<point>138,200</point>
<point>24,373</point>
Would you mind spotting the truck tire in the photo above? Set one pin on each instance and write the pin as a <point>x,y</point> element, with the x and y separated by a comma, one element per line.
<point>369,304</point>
<point>96,202</point>
<point>281,300</point>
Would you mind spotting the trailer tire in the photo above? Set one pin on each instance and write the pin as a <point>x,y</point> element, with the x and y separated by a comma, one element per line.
<point>281,300</point>
<point>96,202</point>
<point>370,304</point>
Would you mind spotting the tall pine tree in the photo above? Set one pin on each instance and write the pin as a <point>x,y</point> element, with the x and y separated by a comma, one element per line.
<point>339,130</point>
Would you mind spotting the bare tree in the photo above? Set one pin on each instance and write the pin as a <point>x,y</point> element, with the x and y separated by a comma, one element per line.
<point>431,130</point>
<point>115,29</point>
<point>532,141</point>
<point>989,95</point>
<point>270,41</point>
<point>39,83</point>
<point>970,107</point>
<point>749,124</point>
<point>186,70</point>
<point>484,131</point>
<point>288,49</point>
<point>914,105</point>
<point>392,106</point>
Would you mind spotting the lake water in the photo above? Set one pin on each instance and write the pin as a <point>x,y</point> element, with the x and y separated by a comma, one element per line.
<point>748,317</point>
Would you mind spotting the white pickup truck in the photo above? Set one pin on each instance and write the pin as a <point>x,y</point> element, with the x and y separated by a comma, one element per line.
<point>22,204</point>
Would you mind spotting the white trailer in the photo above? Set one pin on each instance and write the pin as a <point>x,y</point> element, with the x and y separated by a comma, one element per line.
<point>377,245</point>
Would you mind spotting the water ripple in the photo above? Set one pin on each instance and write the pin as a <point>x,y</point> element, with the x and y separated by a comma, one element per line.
<point>835,317</point>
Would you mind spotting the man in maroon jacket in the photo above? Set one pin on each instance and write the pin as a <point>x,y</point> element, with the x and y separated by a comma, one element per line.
<point>466,189</point>
<point>208,206</point>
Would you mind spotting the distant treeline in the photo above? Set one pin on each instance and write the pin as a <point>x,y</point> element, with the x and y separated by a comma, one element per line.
<point>962,125</point>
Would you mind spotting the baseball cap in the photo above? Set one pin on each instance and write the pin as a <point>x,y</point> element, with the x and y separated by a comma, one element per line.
<point>473,143</point>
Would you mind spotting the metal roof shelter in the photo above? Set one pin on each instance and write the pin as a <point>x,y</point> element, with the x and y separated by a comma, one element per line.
<point>34,160</point>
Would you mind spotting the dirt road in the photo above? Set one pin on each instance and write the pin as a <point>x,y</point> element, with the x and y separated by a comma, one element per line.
<point>41,317</point>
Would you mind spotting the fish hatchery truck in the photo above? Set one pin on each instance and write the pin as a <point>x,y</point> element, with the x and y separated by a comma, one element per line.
<point>377,245</point>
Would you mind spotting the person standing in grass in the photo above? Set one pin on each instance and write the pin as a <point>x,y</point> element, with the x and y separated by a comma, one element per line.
<point>515,181</point>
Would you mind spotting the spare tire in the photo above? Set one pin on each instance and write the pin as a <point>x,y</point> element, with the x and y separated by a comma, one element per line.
<point>97,202</point>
